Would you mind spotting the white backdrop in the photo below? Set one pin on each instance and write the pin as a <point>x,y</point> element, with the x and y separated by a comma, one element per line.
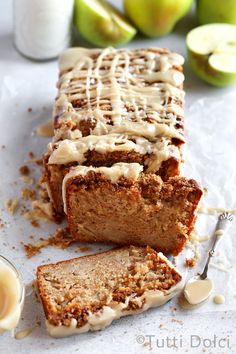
<point>210,157</point>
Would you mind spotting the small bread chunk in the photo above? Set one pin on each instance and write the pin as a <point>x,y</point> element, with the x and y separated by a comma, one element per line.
<point>138,211</point>
<point>89,292</point>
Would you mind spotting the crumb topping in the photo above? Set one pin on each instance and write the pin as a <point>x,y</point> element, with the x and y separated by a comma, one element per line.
<point>11,205</point>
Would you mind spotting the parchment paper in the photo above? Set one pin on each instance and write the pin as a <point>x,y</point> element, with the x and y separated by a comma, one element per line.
<point>209,157</point>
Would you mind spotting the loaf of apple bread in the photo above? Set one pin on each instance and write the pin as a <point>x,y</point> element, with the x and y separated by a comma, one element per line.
<point>121,108</point>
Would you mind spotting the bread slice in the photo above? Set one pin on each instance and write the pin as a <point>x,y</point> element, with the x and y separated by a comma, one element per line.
<point>89,292</point>
<point>160,157</point>
<point>122,205</point>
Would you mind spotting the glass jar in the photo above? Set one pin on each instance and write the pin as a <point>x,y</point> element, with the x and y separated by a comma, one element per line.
<point>42,28</point>
<point>12,294</point>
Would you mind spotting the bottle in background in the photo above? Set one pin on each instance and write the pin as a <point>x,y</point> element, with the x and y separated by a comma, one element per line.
<point>42,27</point>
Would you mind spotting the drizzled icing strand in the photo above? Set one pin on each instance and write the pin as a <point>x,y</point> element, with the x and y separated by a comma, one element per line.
<point>134,92</point>
<point>68,151</point>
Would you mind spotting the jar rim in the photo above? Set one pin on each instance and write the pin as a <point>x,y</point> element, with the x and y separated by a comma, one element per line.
<point>19,277</point>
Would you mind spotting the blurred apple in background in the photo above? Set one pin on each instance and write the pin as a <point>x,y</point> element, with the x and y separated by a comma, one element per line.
<point>156,18</point>
<point>101,24</point>
<point>212,53</point>
<point>210,11</point>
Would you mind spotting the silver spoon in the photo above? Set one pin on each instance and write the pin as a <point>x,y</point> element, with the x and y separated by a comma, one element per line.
<point>199,287</point>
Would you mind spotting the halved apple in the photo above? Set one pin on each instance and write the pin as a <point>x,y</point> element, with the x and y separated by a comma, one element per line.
<point>212,53</point>
<point>101,24</point>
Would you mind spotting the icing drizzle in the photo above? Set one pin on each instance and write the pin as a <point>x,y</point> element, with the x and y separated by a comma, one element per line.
<point>67,151</point>
<point>135,92</point>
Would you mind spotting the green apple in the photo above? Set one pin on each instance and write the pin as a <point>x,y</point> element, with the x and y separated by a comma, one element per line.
<point>212,53</point>
<point>101,24</point>
<point>216,11</point>
<point>156,18</point>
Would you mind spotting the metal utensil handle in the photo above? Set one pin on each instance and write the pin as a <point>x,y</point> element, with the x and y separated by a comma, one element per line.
<point>223,224</point>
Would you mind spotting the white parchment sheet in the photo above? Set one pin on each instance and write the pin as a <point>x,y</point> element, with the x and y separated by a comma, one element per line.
<point>209,157</point>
